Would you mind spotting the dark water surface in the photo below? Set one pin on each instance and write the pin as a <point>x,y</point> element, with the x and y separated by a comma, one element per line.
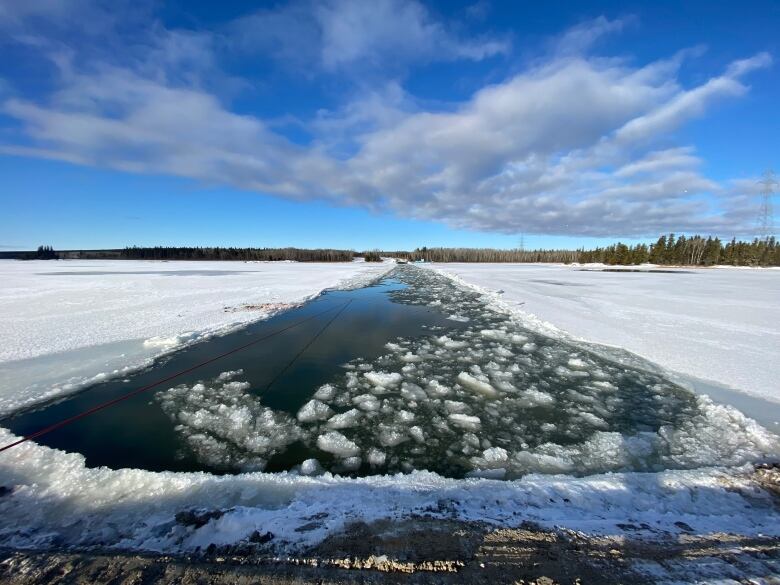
<point>137,433</point>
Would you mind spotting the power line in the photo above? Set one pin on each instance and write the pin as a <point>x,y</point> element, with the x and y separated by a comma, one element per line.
<point>766,213</point>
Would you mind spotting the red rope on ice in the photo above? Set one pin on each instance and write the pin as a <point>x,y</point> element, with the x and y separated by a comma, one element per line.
<point>108,403</point>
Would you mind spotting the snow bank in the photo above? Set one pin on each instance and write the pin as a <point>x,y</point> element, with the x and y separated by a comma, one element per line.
<point>719,324</point>
<point>52,500</point>
<point>68,323</point>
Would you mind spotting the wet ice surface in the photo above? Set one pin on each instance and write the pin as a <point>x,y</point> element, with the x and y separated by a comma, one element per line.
<point>483,397</point>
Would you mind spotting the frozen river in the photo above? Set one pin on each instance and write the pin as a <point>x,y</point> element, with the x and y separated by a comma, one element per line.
<point>391,401</point>
<point>411,373</point>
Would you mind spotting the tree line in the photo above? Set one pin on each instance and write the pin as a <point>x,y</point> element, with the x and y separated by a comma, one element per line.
<point>689,251</point>
<point>45,253</point>
<point>372,256</point>
<point>246,254</point>
<point>188,253</point>
<point>486,255</point>
<point>668,250</point>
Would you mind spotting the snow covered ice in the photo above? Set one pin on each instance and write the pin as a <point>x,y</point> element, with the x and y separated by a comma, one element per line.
<point>577,437</point>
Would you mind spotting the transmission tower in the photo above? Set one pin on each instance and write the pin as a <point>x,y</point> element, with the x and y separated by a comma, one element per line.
<point>765,214</point>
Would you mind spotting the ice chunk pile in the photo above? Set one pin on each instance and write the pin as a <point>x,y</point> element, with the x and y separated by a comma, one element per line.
<point>226,426</point>
<point>483,397</point>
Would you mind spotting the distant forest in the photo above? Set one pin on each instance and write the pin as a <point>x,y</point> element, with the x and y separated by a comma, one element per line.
<point>188,253</point>
<point>246,254</point>
<point>669,250</point>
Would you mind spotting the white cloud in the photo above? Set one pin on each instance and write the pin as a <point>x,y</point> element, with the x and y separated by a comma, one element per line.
<point>578,39</point>
<point>336,35</point>
<point>571,145</point>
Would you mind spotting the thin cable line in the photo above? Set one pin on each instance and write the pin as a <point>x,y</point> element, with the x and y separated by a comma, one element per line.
<point>307,346</point>
<point>114,401</point>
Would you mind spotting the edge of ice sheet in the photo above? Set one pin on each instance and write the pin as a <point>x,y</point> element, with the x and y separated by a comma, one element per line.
<point>143,352</point>
<point>52,500</point>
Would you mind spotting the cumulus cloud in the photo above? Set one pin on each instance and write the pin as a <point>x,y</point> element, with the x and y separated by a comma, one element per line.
<point>571,145</point>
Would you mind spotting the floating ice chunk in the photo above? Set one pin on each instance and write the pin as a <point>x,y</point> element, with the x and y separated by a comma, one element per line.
<point>502,351</point>
<point>495,455</point>
<point>478,386</point>
<point>405,416</point>
<point>325,393</point>
<point>230,374</point>
<point>409,357</point>
<point>532,397</point>
<point>464,421</point>
<point>453,406</point>
<point>542,462</point>
<point>336,443</point>
<point>529,347</point>
<point>412,392</point>
<point>567,373</point>
<point>314,410</point>
<point>548,427</point>
<point>376,457</point>
<point>384,379</point>
<point>345,420</point>
<point>394,347</point>
<point>236,386</point>
<point>391,436</point>
<point>497,473</point>
<point>576,363</point>
<point>351,463</point>
<point>450,343</point>
<point>311,467</point>
<point>594,420</point>
<point>417,434</point>
<point>459,318</point>
<point>604,385</point>
<point>494,334</point>
<point>367,402</point>
<point>436,389</point>
<point>471,439</point>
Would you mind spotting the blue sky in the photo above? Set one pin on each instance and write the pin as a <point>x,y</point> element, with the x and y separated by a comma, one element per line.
<point>389,124</point>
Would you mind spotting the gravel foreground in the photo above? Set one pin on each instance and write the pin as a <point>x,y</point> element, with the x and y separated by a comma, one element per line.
<point>426,550</point>
<point>524,555</point>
